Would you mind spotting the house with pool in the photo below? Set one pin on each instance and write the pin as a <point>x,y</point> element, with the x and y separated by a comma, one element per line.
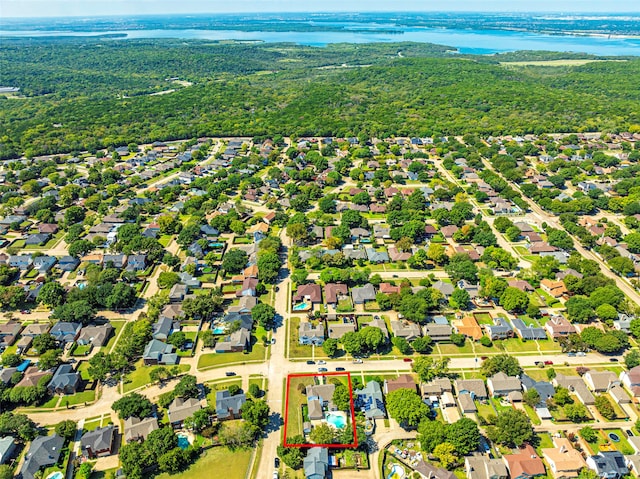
<point>321,409</point>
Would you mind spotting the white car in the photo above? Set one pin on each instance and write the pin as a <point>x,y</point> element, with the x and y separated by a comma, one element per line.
<point>275,475</point>
<point>322,362</point>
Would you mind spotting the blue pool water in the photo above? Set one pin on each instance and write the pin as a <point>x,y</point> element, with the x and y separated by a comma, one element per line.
<point>55,475</point>
<point>336,420</point>
<point>397,472</point>
<point>300,307</point>
<point>183,441</point>
<point>218,330</point>
<point>81,285</point>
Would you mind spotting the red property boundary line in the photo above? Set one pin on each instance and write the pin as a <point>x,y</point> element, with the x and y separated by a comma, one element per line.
<point>354,444</point>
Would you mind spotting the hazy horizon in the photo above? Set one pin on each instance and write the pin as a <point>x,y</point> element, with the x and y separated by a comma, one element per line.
<point>36,9</point>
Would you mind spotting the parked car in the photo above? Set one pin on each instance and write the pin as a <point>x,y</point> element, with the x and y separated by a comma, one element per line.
<point>614,360</point>
<point>273,340</point>
<point>340,369</point>
<point>275,475</point>
<point>407,360</point>
<point>357,361</point>
<point>25,311</point>
<point>310,362</point>
<point>229,373</point>
<point>322,370</point>
<point>629,432</point>
<point>548,363</point>
<point>571,355</point>
<point>581,354</point>
<point>276,462</point>
<point>322,361</point>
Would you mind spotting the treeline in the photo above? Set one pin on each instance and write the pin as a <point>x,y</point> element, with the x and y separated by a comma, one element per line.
<point>267,89</point>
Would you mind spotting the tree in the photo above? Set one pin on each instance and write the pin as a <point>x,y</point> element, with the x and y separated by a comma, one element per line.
<point>132,405</point>
<point>264,314</point>
<point>6,472</point>
<point>501,363</point>
<point>531,397</point>
<point>80,248</point>
<point>562,396</point>
<point>460,267</point>
<point>576,412</point>
<point>20,425</point>
<point>606,312</point>
<point>402,344</point>
<point>291,456</point>
<point>234,389</point>
<point>430,434</point>
<point>422,345</point>
<point>588,434</point>
<point>256,413</point>
<point>330,347</point>
<point>371,337</point>
<point>464,435</point>
<point>341,397</point>
<point>234,261</point>
<point>66,429</point>
<point>352,343</point>
<point>427,368</point>
<point>446,454</point>
<point>187,387</point>
<point>166,279</point>
<point>322,434</point>
<point>200,420</point>
<point>458,339</point>
<point>79,311</point>
<point>632,359</point>
<point>254,390</point>
<point>559,239</point>
<point>11,360</point>
<point>634,327</point>
<point>49,359</point>
<point>268,267</point>
<point>579,309</point>
<point>52,294</point>
<point>406,407</point>
<point>43,343</point>
<point>512,428</point>
<point>437,253</point>
<point>604,407</point>
<point>514,299</point>
<point>459,299</point>
<point>173,461</point>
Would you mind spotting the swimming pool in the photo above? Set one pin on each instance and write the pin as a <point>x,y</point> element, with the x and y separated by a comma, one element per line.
<point>336,420</point>
<point>55,475</point>
<point>397,472</point>
<point>183,441</point>
<point>81,285</point>
<point>300,307</point>
<point>218,330</point>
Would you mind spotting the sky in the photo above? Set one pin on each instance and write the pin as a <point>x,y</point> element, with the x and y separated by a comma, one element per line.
<point>62,8</point>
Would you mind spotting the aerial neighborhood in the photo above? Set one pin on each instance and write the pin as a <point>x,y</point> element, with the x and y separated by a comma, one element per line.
<point>429,307</point>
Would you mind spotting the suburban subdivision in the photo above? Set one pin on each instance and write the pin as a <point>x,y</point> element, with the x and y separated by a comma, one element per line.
<point>314,307</point>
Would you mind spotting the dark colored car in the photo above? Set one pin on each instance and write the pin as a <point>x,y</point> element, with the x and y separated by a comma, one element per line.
<point>229,373</point>
<point>276,462</point>
<point>322,370</point>
<point>614,360</point>
<point>407,360</point>
<point>340,369</point>
<point>311,362</point>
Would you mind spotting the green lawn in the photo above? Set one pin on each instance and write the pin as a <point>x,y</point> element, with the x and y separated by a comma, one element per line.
<point>164,240</point>
<point>449,348</point>
<point>532,415</point>
<point>117,326</point>
<point>296,400</point>
<point>213,359</point>
<point>82,350</point>
<point>519,346</point>
<point>79,398</point>
<point>140,375</point>
<point>297,350</point>
<point>218,462</point>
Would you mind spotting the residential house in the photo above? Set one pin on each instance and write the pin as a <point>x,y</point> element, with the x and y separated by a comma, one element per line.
<point>618,394</point>
<point>557,289</point>
<point>482,467</point>
<point>363,294</point>
<point>35,329</point>
<point>474,387</point>
<point>157,352</point>
<point>136,262</point>
<point>404,381</point>
<point>545,388</point>
<point>600,381</point>
<point>245,305</point>
<point>468,326</point>
<point>228,406</point>
<point>467,404</point>
<point>445,288</point>
<point>236,342</point>
<point>528,331</point>
<point>521,284</point>
<point>337,330</point>
<point>65,380</point>
<point>97,335</point>
<point>436,388</point>
<point>308,292</point>
<point>68,263</point>
<point>429,471</point>
<point>316,463</point>
<point>7,448</point>
<point>309,334</point>
<point>98,443</point>
<point>608,464</point>
<point>438,332</point>
<point>472,289</point>
<point>9,332</point>
<point>559,327</point>
<point>631,379</point>
<point>563,459</point>
<point>43,264</point>
<point>118,261</point>
<point>576,386</point>
<point>406,330</point>
<point>178,292</point>
<point>501,329</point>
<point>181,409</point>
<point>44,451</point>
<point>369,400</point>
<point>22,261</point>
<point>377,257</point>
<point>501,385</point>
<point>37,239</point>
<point>65,332</point>
<point>396,255</point>
<point>525,464</point>
<point>163,328</point>
<point>32,376</point>
<point>248,287</point>
<point>380,324</point>
<point>136,429</point>
<point>334,292</point>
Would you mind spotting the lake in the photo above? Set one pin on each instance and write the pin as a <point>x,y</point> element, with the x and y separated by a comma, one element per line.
<point>464,40</point>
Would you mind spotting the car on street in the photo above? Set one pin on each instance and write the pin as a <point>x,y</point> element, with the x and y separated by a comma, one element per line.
<point>548,363</point>
<point>322,370</point>
<point>571,355</point>
<point>322,361</point>
<point>357,361</point>
<point>229,373</point>
<point>483,357</point>
<point>275,475</point>
<point>25,311</point>
<point>273,340</point>
<point>310,362</point>
<point>407,360</point>
<point>629,432</point>
<point>340,369</point>
<point>276,462</point>
<point>614,360</point>
<point>581,354</point>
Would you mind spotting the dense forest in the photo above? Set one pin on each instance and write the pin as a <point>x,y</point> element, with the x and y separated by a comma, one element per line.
<point>79,94</point>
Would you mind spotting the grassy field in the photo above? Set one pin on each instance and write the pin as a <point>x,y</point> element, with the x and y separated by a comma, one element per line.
<point>213,360</point>
<point>296,399</point>
<point>297,350</point>
<point>226,463</point>
<point>79,398</point>
<point>117,326</point>
<point>140,375</point>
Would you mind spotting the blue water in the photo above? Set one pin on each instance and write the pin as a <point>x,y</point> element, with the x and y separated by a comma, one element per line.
<point>23,365</point>
<point>336,420</point>
<point>183,441</point>
<point>81,285</point>
<point>218,330</point>
<point>300,307</point>
<point>466,41</point>
<point>56,475</point>
<point>396,469</point>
